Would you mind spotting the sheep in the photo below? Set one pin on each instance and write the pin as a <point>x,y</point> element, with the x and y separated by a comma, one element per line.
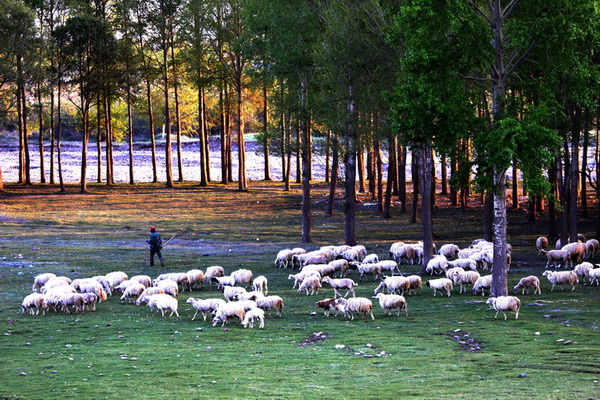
<point>366,269</point>
<point>299,277</point>
<point>582,270</point>
<point>205,306</point>
<point>254,295</point>
<point>556,255</point>
<point>268,303</point>
<point>393,283</point>
<point>132,291</point>
<point>180,278</point>
<point>440,284</point>
<point>527,282</point>
<point>541,243</point>
<point>41,280</point>
<point>594,275</point>
<point>163,302</point>
<point>327,305</point>
<point>480,258</point>
<point>592,247</point>
<point>403,253</point>
<point>226,311</point>
<point>232,292</point>
<point>342,266</point>
<point>450,251</point>
<point>242,277</point>
<point>94,287</point>
<point>323,269</point>
<point>34,300</point>
<point>195,279</point>
<point>466,253</point>
<point>213,272</point>
<point>388,265</point>
<point>72,301</point>
<point>415,282</point>
<point>350,255</point>
<point>505,303</point>
<point>223,281</point>
<point>251,315</point>
<point>483,283</point>
<point>90,299</point>
<point>169,286</point>
<point>576,251</point>
<point>247,304</point>
<point>283,258</point>
<point>116,277</point>
<point>144,296</point>
<point>101,279</point>
<point>121,287</point>
<point>344,283</point>
<point>437,264</point>
<point>312,283</point>
<point>450,272</point>
<point>561,277</point>
<point>260,284</point>
<point>371,259</point>
<point>355,305</point>
<point>464,263</point>
<point>56,282</point>
<point>54,295</point>
<point>143,279</point>
<point>464,279</point>
<point>390,302</point>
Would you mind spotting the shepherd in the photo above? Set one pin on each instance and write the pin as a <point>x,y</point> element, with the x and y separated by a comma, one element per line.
<point>156,246</point>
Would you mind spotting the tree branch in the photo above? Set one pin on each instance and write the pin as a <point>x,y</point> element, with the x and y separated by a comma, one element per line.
<point>475,78</point>
<point>508,10</point>
<point>481,13</point>
<point>511,68</point>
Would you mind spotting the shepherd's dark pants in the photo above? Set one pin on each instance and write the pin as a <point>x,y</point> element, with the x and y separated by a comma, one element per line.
<point>160,258</point>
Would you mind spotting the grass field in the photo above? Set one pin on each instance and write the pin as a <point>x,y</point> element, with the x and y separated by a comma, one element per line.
<point>448,348</point>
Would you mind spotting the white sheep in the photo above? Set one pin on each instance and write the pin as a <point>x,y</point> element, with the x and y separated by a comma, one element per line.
<point>242,277</point>
<point>361,250</point>
<point>180,278</point>
<point>268,303</point>
<point>116,277</point>
<point>554,256</point>
<point>227,311</point>
<point>205,306</point>
<point>253,295</point>
<point>34,300</point>
<point>505,303</point>
<point>323,269</point>
<point>213,272</point>
<point>371,259</point>
<point>576,251</point>
<point>163,302</point>
<point>483,283</point>
<point>342,266</point>
<point>464,279</point>
<point>169,286</point>
<point>541,243</point>
<point>232,292</point>
<point>369,269</point>
<point>54,295</point>
<point>561,277</point>
<point>437,265</point>
<point>311,283</point>
<point>94,287</point>
<point>41,280</point>
<point>195,278</point>
<point>101,279</point>
<point>72,301</point>
<point>133,291</point>
<point>143,298</point>
<point>464,263</point>
<point>251,315</point>
<point>223,281</point>
<point>247,304</point>
<point>390,302</point>
<point>90,299</point>
<point>299,277</point>
<point>355,305</point>
<point>527,282</point>
<point>582,270</point>
<point>390,266</point>
<point>351,255</point>
<point>283,258</point>
<point>392,284</point>
<point>56,282</point>
<point>450,272</point>
<point>594,275</point>
<point>450,251</point>
<point>441,284</point>
<point>415,282</point>
<point>343,283</point>
<point>143,279</point>
<point>592,246</point>
<point>260,284</point>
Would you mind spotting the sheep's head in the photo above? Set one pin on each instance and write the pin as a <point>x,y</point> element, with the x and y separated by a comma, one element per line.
<point>491,300</point>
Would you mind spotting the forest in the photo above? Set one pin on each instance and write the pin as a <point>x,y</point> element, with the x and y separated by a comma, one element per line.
<point>504,94</point>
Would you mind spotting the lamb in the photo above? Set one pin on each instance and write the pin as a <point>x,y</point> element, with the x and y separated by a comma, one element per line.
<point>283,258</point>
<point>393,283</point>
<point>260,284</point>
<point>527,282</point>
<point>195,279</point>
<point>327,305</point>
<point>505,303</point>
<point>40,280</point>
<point>541,243</point>
<point>555,256</point>
<point>437,264</point>
<point>464,279</point>
<point>232,292</point>
<point>582,270</point>
<point>164,302</point>
<point>116,277</point>
<point>390,302</point>
<point>371,259</point>
<point>268,303</point>
<point>390,266</point>
<point>34,300</point>
<point>299,277</point>
<point>483,283</point>
<point>450,251</point>
<point>344,283</point>
<point>227,311</point>
<point>594,275</point>
<point>251,315</point>
<point>223,281</point>
<point>72,301</point>
<point>242,277</point>
<point>312,283</point>
<point>366,269</point>
<point>143,298</point>
<point>169,286</point>
<point>213,272</point>
<point>355,305</point>
<point>90,299</point>
<point>464,263</point>
<point>440,284</point>
<point>561,277</point>
<point>133,291</point>
<point>342,266</point>
<point>205,306</point>
<point>415,282</point>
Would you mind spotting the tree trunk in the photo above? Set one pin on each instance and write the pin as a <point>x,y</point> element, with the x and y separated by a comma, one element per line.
<point>242,184</point>
<point>416,188</point>
<point>426,175</point>
<point>584,164</point>
<point>360,159</point>
<point>488,216</point>
<point>204,162</point>
<point>500,268</point>
<point>110,160</point>
<point>574,174</point>
<point>59,131</point>
<point>152,131</point>
<point>306,208</point>
<point>130,131</point>
<point>353,148</point>
<point>167,111</point>
<point>444,172</point>
<point>327,156</point>
<point>379,173</point>
<point>391,178</point>
<point>266,133</point>
<point>515,186</point>
<point>98,140</point>
<point>334,174</point>
<point>41,135</point>
<point>552,228</point>
<point>223,123</point>
<point>401,177</point>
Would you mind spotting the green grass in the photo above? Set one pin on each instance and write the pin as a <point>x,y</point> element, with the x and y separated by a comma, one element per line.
<point>123,350</point>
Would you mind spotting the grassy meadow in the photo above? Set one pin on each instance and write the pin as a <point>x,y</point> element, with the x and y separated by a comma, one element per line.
<point>447,348</point>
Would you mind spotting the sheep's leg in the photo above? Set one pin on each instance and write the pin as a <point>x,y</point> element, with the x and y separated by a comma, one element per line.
<point>195,315</point>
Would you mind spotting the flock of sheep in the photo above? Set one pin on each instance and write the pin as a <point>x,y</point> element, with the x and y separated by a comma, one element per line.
<point>329,265</point>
